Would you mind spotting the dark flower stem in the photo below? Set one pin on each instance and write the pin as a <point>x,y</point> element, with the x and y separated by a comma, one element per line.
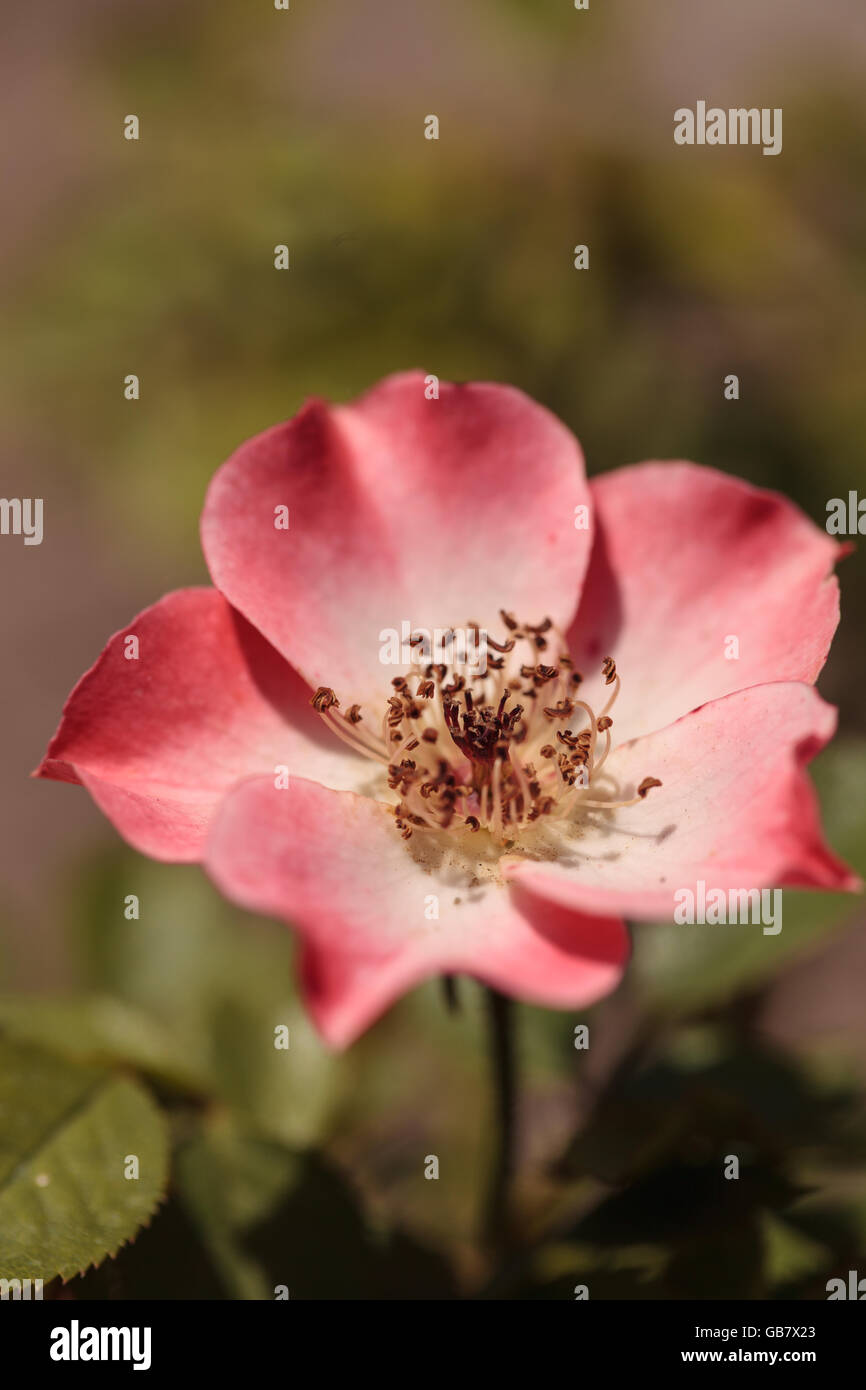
<point>449,990</point>
<point>497,1216</point>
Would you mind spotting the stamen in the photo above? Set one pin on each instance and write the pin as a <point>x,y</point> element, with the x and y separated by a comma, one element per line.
<point>327,704</point>
<point>324,699</point>
<point>475,748</point>
<point>616,685</point>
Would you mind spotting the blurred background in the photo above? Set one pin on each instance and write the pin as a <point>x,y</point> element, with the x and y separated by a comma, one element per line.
<point>155,257</point>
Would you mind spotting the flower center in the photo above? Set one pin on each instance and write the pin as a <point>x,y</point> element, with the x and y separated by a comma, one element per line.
<point>496,743</point>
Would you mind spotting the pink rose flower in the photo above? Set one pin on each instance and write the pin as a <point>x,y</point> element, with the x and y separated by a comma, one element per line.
<point>643,724</point>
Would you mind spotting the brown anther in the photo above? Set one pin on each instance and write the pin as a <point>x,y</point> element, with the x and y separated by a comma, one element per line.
<point>568,738</point>
<point>324,699</point>
<point>548,751</point>
<point>473,823</point>
<point>430,735</point>
<point>561,710</point>
<point>413,744</point>
<point>400,683</point>
<point>604,723</point>
<point>353,714</point>
<point>426,690</point>
<point>543,674</point>
<point>647,784</point>
<point>541,627</point>
<point>608,670</point>
<point>500,646</point>
<point>509,620</point>
<point>540,642</point>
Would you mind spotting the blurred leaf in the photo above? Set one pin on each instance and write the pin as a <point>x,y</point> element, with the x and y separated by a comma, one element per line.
<point>680,1201</point>
<point>750,1100</point>
<point>790,1253</point>
<point>354,1262</point>
<point>66,1134</point>
<point>167,1260</point>
<point>272,1218</point>
<point>228,1182</point>
<point>724,1259</point>
<point>823,1240</point>
<point>101,1029</point>
<point>215,984</point>
<point>602,1284</point>
<point>706,1232</point>
<point>286,1093</point>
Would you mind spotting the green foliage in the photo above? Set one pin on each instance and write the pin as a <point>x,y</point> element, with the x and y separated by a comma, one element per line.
<point>229,1182</point>
<point>661,1212</point>
<point>67,1137</point>
<point>213,986</point>
<point>262,1213</point>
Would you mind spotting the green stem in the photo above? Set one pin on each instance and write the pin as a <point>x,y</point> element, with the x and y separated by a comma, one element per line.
<point>449,991</point>
<point>497,1217</point>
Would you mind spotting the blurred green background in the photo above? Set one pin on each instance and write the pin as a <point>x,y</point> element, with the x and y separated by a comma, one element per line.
<point>306,127</point>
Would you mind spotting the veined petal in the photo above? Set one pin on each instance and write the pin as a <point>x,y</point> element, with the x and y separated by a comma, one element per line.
<point>159,738</point>
<point>735,809</point>
<point>402,510</point>
<point>379,914</point>
<point>699,585</point>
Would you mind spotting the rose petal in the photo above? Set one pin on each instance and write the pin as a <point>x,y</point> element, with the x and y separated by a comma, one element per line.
<point>432,513</point>
<point>735,810</point>
<point>334,865</point>
<point>158,740</point>
<point>686,558</point>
